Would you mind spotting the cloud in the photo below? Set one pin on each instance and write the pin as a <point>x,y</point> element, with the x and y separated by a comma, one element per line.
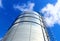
<point>1,3</point>
<point>25,7</point>
<point>51,14</point>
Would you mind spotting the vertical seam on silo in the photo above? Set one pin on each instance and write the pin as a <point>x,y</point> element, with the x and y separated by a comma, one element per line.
<point>30,32</point>
<point>14,33</point>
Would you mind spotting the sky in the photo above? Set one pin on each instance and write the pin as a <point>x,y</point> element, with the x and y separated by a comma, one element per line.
<point>49,9</point>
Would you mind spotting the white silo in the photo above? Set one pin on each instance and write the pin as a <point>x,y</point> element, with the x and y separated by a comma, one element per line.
<point>28,27</point>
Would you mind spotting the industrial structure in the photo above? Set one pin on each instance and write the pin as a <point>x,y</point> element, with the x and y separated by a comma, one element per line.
<point>28,27</point>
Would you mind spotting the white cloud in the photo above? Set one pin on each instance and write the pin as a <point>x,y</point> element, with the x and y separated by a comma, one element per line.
<point>1,3</point>
<point>51,14</point>
<point>25,7</point>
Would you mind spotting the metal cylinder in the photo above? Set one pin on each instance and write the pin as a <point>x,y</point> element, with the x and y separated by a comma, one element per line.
<point>28,27</point>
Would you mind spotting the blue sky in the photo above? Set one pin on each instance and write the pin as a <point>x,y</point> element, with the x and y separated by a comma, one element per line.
<point>8,14</point>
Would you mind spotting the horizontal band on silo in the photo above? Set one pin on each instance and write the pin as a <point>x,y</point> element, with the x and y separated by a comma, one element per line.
<point>29,22</point>
<point>30,16</point>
